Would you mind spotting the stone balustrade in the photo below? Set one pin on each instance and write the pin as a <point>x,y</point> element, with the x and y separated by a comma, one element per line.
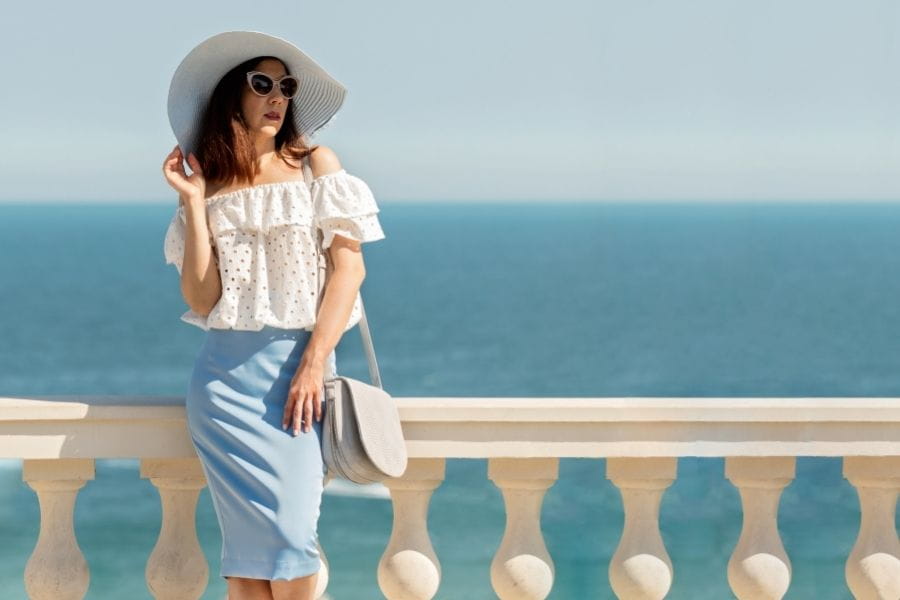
<point>59,438</point>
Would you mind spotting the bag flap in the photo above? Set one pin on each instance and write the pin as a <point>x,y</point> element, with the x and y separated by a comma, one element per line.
<point>379,426</point>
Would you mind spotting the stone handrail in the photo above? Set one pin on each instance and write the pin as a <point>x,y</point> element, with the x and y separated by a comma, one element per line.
<point>59,437</point>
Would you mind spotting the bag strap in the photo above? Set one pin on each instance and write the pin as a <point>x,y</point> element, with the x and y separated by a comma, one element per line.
<point>324,270</point>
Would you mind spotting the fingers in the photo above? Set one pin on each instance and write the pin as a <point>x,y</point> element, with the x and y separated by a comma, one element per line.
<point>299,409</point>
<point>297,417</point>
<point>194,163</point>
<point>317,408</point>
<point>174,154</point>
<point>176,165</point>
<point>307,413</point>
<point>289,408</point>
<point>174,162</point>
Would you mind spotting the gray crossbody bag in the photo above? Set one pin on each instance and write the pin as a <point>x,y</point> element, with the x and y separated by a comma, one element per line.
<point>363,438</point>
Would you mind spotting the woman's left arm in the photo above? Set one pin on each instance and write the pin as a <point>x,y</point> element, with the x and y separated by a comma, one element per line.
<point>342,286</point>
<point>305,396</point>
<point>340,293</point>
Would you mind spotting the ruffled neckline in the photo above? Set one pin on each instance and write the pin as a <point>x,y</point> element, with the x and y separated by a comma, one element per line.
<point>270,184</point>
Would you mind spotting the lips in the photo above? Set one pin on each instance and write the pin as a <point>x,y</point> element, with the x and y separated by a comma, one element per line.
<point>273,115</point>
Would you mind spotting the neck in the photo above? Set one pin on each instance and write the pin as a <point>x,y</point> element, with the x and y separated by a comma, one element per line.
<point>265,149</point>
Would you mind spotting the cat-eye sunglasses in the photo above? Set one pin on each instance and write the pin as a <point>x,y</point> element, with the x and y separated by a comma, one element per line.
<point>262,84</point>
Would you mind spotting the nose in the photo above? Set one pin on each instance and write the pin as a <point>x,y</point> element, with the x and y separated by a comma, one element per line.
<point>277,94</point>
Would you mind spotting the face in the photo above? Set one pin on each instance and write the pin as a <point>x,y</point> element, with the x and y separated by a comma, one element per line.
<point>256,108</point>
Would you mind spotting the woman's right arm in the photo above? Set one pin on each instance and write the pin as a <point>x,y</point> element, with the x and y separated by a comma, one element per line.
<point>201,285</point>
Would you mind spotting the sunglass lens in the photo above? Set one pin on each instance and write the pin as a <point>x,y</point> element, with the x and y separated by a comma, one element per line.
<point>261,84</point>
<point>289,86</point>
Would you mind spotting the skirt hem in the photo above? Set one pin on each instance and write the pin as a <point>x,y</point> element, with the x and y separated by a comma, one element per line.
<point>263,569</point>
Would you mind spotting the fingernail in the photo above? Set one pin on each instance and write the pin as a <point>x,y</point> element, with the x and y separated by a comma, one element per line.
<point>284,426</point>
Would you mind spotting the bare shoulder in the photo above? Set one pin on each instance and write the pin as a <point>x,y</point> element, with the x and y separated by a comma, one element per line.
<point>323,160</point>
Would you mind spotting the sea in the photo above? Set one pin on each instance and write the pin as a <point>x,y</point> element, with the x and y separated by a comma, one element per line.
<point>541,299</point>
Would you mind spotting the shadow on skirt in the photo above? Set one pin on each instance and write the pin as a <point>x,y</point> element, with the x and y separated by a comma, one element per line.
<point>266,484</point>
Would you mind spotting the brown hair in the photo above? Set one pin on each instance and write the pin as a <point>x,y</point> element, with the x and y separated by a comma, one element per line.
<point>224,147</point>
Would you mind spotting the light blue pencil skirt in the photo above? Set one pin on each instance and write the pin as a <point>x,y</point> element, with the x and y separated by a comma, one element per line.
<point>265,483</point>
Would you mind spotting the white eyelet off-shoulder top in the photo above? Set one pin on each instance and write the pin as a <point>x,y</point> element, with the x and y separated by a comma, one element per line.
<point>264,240</point>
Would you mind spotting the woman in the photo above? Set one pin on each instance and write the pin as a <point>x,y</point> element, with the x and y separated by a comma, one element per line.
<point>244,240</point>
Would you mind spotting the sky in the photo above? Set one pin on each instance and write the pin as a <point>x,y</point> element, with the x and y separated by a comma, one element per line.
<point>491,100</point>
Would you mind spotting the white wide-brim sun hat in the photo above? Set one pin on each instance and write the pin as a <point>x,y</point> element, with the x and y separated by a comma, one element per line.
<point>315,105</point>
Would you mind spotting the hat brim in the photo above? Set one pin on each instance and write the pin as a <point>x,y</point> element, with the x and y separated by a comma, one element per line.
<point>319,99</point>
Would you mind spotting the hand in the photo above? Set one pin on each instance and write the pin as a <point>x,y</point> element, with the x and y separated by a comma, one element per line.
<point>193,186</point>
<point>304,397</point>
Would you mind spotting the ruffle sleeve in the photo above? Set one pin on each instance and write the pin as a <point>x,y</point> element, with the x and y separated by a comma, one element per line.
<point>173,247</point>
<point>344,205</point>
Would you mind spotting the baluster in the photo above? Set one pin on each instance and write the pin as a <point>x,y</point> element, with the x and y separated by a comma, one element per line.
<point>522,567</point>
<point>177,568</point>
<point>641,569</point>
<point>759,567</point>
<point>873,568</point>
<point>409,568</point>
<point>57,569</point>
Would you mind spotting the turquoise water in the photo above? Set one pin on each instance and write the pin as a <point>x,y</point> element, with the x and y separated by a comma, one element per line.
<point>553,299</point>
